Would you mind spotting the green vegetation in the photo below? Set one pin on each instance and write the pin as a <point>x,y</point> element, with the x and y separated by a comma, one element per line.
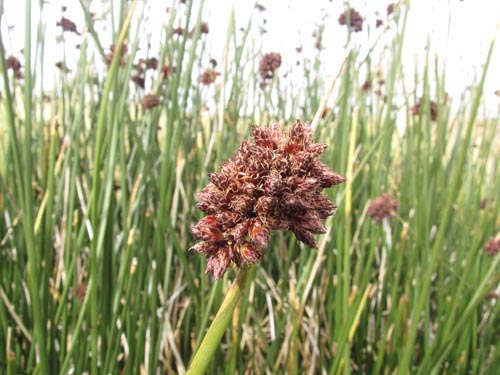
<point>98,186</point>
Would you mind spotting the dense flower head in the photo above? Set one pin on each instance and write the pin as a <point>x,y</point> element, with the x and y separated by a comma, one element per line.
<point>208,76</point>
<point>110,55</point>
<point>67,25</point>
<point>272,183</point>
<point>269,63</point>
<point>416,109</point>
<point>355,20</point>
<point>492,246</point>
<point>150,101</point>
<point>390,9</point>
<point>383,207</point>
<point>15,65</point>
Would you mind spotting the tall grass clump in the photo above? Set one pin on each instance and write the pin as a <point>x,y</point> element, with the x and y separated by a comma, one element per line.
<point>101,173</point>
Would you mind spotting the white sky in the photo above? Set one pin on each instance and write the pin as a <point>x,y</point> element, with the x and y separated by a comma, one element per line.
<point>459,31</point>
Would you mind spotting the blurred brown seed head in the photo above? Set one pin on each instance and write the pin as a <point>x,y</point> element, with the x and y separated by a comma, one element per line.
<point>269,63</point>
<point>483,203</point>
<point>67,25</point>
<point>110,55</point>
<point>203,29</point>
<point>260,7</point>
<point>208,76</point>
<point>150,101</point>
<point>416,110</point>
<point>14,64</point>
<point>152,63</point>
<point>367,85</point>
<point>390,9</point>
<point>272,183</point>
<point>139,80</point>
<point>383,207</point>
<point>492,246</point>
<point>62,67</point>
<point>178,31</point>
<point>355,19</point>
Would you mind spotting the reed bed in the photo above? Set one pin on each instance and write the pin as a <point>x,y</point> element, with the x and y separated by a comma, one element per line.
<point>98,183</point>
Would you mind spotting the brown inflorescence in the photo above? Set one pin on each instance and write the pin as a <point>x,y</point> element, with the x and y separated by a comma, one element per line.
<point>110,55</point>
<point>15,65</point>
<point>178,31</point>
<point>139,80</point>
<point>208,76</point>
<point>367,85</point>
<point>492,246</point>
<point>390,9</point>
<point>150,101</point>
<point>67,25</point>
<point>416,109</point>
<point>355,20</point>
<point>269,63</point>
<point>272,183</point>
<point>382,207</point>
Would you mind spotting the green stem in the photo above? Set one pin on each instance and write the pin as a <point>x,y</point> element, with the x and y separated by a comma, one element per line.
<point>211,341</point>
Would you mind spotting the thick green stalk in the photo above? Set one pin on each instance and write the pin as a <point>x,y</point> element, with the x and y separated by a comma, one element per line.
<point>211,341</point>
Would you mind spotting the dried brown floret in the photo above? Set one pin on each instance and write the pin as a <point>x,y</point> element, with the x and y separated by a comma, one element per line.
<point>260,7</point>
<point>67,25</point>
<point>383,207</point>
<point>379,23</point>
<point>178,31</point>
<point>152,63</point>
<point>203,29</point>
<point>14,64</point>
<point>139,80</point>
<point>110,55</point>
<point>390,9</point>
<point>208,76</point>
<point>492,246</point>
<point>483,203</point>
<point>150,101</point>
<point>416,109</point>
<point>355,19</point>
<point>367,85</point>
<point>62,67</point>
<point>269,63</point>
<point>272,183</point>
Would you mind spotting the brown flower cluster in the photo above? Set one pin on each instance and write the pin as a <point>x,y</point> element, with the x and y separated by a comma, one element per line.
<point>111,54</point>
<point>15,65</point>
<point>272,183</point>
<point>382,207</point>
<point>150,101</point>
<point>62,67</point>
<point>416,109</point>
<point>390,9</point>
<point>492,246</point>
<point>139,78</point>
<point>208,77</point>
<point>179,30</point>
<point>67,25</point>
<point>269,63</point>
<point>355,19</point>
<point>203,29</point>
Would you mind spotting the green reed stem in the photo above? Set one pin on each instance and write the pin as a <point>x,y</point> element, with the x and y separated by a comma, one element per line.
<point>211,341</point>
